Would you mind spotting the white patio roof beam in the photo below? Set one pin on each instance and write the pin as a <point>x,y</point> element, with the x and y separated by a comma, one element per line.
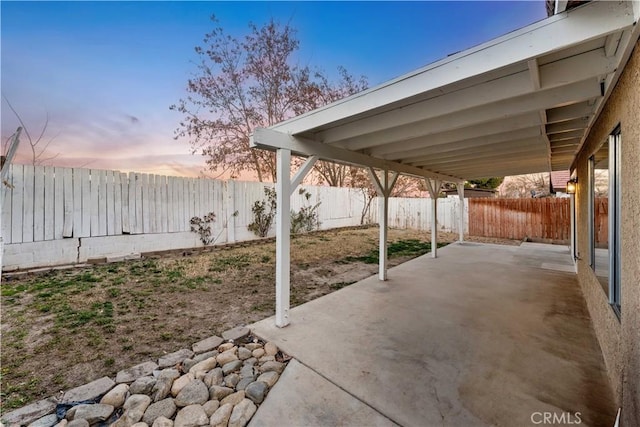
<point>271,140</point>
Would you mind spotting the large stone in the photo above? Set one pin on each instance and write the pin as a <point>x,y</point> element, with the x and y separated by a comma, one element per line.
<point>93,413</point>
<point>143,385</point>
<point>253,345</point>
<point>227,356</point>
<point>163,384</point>
<point>207,344</point>
<point>205,365</point>
<point>180,383</point>
<point>134,409</point>
<point>258,353</point>
<point>172,359</point>
<point>231,380</point>
<point>248,371</point>
<point>162,422</point>
<point>194,393</point>
<point>272,366</point>
<point>204,356</point>
<point>89,391</point>
<point>269,378</point>
<point>116,396</point>
<point>78,423</point>
<point>234,365</point>
<point>30,413</point>
<point>242,413</point>
<point>220,418</point>
<point>266,358</point>
<point>191,416</point>
<point>244,353</point>
<point>236,334</point>
<point>46,421</point>
<point>164,408</point>
<point>131,374</point>
<point>226,346</point>
<point>210,407</point>
<point>243,383</point>
<point>251,361</point>
<point>233,398</point>
<point>270,349</point>
<point>140,424</point>
<point>213,377</point>
<point>256,391</point>
<point>219,393</point>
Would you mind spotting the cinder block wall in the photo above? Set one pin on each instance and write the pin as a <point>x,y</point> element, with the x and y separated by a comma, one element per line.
<point>619,339</point>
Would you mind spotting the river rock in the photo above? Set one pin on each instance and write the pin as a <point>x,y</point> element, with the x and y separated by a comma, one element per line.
<point>94,413</point>
<point>180,383</point>
<point>172,359</point>
<point>219,393</point>
<point>207,344</point>
<point>251,361</point>
<point>163,384</point>
<point>269,378</point>
<point>242,413</point>
<point>134,409</point>
<point>162,422</point>
<point>140,424</point>
<point>116,396</point>
<point>226,346</point>
<point>256,391</point>
<point>270,349</point>
<point>227,368</point>
<point>194,393</point>
<point>210,407</point>
<point>272,366</point>
<point>213,377</point>
<point>227,356</point>
<point>205,365</point>
<point>30,413</point>
<point>243,383</point>
<point>164,408</point>
<point>231,380</point>
<point>248,371</point>
<point>233,398</point>
<point>46,421</point>
<point>78,423</point>
<point>258,353</point>
<point>191,416</point>
<point>131,374</point>
<point>89,391</point>
<point>220,418</point>
<point>243,353</point>
<point>253,346</point>
<point>266,358</point>
<point>236,334</point>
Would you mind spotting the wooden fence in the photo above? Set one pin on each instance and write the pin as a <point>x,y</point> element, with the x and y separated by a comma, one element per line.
<point>545,219</point>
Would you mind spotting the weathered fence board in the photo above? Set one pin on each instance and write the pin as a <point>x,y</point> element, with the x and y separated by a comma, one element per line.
<point>544,219</point>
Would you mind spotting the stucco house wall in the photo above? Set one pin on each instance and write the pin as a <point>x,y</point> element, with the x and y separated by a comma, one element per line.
<point>619,338</point>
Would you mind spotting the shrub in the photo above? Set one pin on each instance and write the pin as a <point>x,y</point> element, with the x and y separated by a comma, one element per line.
<point>263,213</point>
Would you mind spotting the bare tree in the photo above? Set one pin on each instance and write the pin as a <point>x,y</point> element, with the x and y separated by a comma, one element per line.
<point>39,146</point>
<point>530,185</point>
<point>244,83</point>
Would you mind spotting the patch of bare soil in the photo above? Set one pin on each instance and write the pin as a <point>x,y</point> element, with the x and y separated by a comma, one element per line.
<point>64,328</point>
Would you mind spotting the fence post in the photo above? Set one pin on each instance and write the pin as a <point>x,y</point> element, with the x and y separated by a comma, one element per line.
<point>231,208</point>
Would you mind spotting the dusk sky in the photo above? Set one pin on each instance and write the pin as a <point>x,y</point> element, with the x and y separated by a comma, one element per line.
<point>107,72</point>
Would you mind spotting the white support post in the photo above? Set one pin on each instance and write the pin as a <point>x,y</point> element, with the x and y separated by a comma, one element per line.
<point>283,236</point>
<point>460,188</point>
<point>433,185</point>
<point>383,188</point>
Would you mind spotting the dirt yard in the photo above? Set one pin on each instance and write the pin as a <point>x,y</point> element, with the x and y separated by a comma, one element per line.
<point>64,328</point>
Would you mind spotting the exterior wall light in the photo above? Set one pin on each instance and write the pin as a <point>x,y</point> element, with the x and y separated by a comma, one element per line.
<point>572,184</point>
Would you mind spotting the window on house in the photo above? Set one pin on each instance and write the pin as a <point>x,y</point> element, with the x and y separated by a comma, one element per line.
<point>604,216</point>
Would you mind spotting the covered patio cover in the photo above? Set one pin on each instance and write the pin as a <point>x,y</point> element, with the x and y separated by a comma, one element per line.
<point>521,103</point>
<point>484,335</point>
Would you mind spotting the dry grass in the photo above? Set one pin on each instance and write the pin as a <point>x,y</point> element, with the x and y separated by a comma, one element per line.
<point>64,328</point>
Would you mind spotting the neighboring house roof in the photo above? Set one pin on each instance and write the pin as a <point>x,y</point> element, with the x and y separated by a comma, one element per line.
<point>559,180</point>
<point>521,103</point>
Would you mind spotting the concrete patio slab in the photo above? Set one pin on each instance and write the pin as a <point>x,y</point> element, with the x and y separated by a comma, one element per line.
<point>483,335</point>
<point>301,397</point>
